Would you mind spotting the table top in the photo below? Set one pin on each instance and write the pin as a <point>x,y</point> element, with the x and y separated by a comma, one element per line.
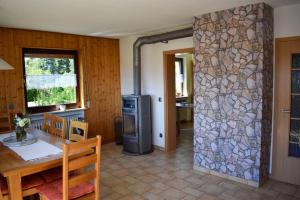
<point>10,162</point>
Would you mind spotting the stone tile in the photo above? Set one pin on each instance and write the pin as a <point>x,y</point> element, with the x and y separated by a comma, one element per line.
<point>284,188</point>
<point>121,190</point>
<point>229,185</point>
<point>177,183</point>
<point>130,179</point>
<point>172,193</point>
<point>126,177</point>
<point>189,197</point>
<point>248,195</point>
<point>132,197</point>
<point>207,197</point>
<point>195,180</point>
<point>111,181</point>
<point>193,192</point>
<point>151,196</point>
<point>225,196</point>
<point>286,197</point>
<point>159,185</point>
<point>112,196</point>
<point>148,178</point>
<point>212,189</point>
<point>139,188</point>
<point>182,174</point>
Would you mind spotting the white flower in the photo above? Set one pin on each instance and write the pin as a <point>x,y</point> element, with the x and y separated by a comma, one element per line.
<point>22,123</point>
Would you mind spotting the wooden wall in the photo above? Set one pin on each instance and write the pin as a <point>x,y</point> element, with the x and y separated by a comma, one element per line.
<point>99,71</point>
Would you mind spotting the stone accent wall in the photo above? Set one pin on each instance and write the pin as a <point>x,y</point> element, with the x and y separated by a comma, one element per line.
<point>233,91</point>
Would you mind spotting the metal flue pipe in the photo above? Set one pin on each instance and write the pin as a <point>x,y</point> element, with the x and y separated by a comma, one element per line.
<point>187,32</point>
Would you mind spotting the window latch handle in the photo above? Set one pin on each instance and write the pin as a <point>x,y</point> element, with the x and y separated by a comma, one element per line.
<point>283,110</point>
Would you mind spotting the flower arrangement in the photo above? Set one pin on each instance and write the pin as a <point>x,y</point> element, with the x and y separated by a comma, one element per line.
<point>21,122</point>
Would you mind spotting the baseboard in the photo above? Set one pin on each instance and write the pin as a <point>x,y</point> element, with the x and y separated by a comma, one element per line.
<point>159,148</point>
<point>226,176</point>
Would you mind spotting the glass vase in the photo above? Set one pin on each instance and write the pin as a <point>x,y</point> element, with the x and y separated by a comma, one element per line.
<point>20,134</point>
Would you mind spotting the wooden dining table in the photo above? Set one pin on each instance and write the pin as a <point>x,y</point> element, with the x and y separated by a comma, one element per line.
<point>13,167</point>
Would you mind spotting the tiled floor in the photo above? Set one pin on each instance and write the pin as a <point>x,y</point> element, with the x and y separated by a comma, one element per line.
<point>171,176</point>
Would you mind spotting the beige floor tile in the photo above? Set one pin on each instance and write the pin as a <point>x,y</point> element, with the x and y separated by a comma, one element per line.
<point>170,176</point>
<point>212,189</point>
<point>177,183</point>
<point>284,188</point>
<point>121,190</point>
<point>148,178</point>
<point>189,197</point>
<point>172,193</point>
<point>207,197</point>
<point>151,196</point>
<point>193,192</point>
<point>140,188</point>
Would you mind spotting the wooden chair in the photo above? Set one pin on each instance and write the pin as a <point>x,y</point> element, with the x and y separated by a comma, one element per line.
<point>77,186</point>
<point>29,184</point>
<point>78,131</point>
<point>55,125</point>
<point>47,119</point>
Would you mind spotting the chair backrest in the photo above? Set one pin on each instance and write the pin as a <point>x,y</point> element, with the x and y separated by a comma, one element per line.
<point>55,125</point>
<point>47,119</point>
<point>78,131</point>
<point>81,161</point>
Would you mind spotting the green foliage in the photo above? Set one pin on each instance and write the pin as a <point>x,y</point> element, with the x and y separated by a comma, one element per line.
<point>51,96</point>
<point>40,66</point>
<point>48,66</point>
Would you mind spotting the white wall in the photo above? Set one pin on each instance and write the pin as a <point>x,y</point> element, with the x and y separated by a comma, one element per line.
<point>287,21</point>
<point>152,76</point>
<point>286,24</point>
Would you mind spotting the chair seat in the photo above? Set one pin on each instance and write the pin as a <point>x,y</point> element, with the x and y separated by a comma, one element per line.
<point>51,175</point>
<point>53,190</point>
<point>28,182</point>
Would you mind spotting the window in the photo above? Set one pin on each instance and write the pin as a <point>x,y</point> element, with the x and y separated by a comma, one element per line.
<point>179,76</point>
<point>51,79</point>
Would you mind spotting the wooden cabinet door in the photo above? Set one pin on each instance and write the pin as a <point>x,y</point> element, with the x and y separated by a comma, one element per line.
<point>286,146</point>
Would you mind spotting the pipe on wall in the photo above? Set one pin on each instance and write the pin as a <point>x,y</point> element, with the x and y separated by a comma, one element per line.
<point>187,32</point>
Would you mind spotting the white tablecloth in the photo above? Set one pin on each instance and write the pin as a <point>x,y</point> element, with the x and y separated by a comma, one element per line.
<point>37,150</point>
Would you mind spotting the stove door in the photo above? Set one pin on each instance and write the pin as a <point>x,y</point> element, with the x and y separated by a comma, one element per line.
<point>130,126</point>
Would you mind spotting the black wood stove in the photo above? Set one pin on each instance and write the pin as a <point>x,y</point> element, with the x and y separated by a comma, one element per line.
<point>137,131</point>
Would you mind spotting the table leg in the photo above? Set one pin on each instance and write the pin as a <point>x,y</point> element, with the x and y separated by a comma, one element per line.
<point>14,187</point>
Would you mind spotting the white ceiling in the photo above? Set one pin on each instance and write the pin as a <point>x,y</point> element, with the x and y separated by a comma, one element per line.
<point>112,18</point>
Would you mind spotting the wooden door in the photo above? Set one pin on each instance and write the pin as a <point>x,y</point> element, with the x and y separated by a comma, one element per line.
<point>170,102</point>
<point>170,98</point>
<point>286,147</point>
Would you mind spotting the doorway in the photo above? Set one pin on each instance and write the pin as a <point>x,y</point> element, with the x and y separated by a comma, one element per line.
<point>286,145</point>
<point>178,93</point>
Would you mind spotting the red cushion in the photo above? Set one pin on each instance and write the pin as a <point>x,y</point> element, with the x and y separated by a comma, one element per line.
<point>53,190</point>
<point>28,182</point>
<point>32,181</point>
<point>52,174</point>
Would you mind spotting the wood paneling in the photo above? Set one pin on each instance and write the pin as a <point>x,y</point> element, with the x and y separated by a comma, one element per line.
<point>99,73</point>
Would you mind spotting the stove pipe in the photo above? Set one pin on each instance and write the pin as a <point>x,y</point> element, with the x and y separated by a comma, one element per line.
<point>164,37</point>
